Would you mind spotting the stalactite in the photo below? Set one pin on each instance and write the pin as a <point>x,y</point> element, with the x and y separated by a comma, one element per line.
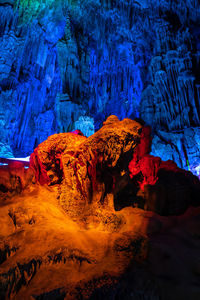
<point>122,57</point>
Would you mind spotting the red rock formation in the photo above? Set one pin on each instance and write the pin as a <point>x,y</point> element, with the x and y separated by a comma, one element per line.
<point>147,164</point>
<point>166,188</point>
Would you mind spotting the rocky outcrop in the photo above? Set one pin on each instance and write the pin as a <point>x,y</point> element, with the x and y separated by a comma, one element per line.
<point>95,171</point>
<point>87,168</point>
<point>113,168</point>
<point>72,224</point>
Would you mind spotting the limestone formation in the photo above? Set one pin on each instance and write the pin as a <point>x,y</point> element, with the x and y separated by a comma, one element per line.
<point>64,62</point>
<point>84,220</point>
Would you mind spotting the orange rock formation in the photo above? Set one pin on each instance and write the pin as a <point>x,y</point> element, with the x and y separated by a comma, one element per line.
<point>77,229</point>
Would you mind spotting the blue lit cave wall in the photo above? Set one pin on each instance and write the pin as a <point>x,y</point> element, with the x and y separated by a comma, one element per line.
<point>69,64</point>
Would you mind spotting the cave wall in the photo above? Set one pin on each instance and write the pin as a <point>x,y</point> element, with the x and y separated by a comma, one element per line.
<point>68,64</point>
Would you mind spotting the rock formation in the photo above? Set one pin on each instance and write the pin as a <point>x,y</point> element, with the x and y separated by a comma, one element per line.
<point>99,218</point>
<point>86,168</point>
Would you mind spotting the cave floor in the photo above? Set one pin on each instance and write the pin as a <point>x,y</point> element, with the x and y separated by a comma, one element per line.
<point>44,252</point>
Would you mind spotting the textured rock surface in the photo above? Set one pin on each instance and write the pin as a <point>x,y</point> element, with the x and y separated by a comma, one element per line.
<point>62,238</point>
<point>93,170</point>
<point>87,168</point>
<point>14,177</point>
<point>62,62</point>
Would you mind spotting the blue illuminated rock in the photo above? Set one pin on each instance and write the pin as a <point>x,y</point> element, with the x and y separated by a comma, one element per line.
<point>85,125</point>
<point>181,146</point>
<point>64,61</point>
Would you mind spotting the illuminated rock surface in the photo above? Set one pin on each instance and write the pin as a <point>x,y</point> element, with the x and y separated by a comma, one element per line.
<point>64,61</point>
<point>77,229</point>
